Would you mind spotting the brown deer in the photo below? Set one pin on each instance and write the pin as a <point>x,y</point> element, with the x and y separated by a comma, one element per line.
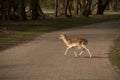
<point>80,43</point>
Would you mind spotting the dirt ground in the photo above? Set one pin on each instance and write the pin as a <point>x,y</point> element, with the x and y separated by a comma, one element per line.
<point>43,59</point>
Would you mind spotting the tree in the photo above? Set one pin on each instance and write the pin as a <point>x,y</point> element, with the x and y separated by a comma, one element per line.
<point>56,8</point>
<point>16,9</point>
<point>115,5</point>
<point>63,7</point>
<point>85,7</point>
<point>71,8</point>
<point>77,7</point>
<point>36,9</point>
<point>2,10</point>
<point>102,4</point>
<point>68,6</point>
<point>23,13</point>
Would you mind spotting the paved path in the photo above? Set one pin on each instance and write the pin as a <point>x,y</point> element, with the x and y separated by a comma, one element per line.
<point>43,59</point>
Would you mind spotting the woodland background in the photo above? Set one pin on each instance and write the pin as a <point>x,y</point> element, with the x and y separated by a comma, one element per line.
<point>21,10</point>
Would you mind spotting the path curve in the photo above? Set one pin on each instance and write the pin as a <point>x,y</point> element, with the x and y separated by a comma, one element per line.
<point>43,59</point>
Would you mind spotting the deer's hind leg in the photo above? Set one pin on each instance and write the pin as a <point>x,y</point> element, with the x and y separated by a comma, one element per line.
<point>75,53</point>
<point>82,50</point>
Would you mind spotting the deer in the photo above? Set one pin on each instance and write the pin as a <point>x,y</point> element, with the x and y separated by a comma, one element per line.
<point>75,42</point>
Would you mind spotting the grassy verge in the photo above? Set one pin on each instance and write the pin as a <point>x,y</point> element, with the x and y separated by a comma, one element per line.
<point>114,54</point>
<point>26,29</point>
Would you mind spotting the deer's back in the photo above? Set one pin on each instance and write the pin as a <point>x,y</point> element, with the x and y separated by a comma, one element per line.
<point>78,40</point>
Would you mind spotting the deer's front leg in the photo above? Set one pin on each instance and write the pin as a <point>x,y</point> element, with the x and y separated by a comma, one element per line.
<point>66,50</point>
<point>88,51</point>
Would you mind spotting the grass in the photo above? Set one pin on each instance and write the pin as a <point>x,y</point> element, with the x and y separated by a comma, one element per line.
<point>27,29</point>
<point>114,54</point>
<point>15,36</point>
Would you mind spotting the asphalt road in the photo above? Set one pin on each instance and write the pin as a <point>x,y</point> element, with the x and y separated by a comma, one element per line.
<point>43,59</point>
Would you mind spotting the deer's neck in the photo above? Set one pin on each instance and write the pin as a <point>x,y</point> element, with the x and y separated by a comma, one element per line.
<point>66,41</point>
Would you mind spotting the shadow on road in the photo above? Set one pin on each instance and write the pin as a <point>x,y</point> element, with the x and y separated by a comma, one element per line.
<point>95,57</point>
<point>10,78</point>
<point>4,66</point>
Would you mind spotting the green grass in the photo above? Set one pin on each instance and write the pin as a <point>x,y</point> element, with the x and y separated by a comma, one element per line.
<point>114,54</point>
<point>115,59</point>
<point>15,36</point>
<point>31,28</point>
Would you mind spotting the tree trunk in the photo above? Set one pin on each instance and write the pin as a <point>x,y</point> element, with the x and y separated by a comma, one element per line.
<point>41,14</point>
<point>2,11</point>
<point>23,13</point>
<point>77,2</point>
<point>101,6</point>
<point>67,8</point>
<point>16,10</point>
<point>36,9</point>
<point>56,8</point>
<point>114,5</point>
<point>9,10</point>
<point>85,7</point>
<point>88,8</point>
